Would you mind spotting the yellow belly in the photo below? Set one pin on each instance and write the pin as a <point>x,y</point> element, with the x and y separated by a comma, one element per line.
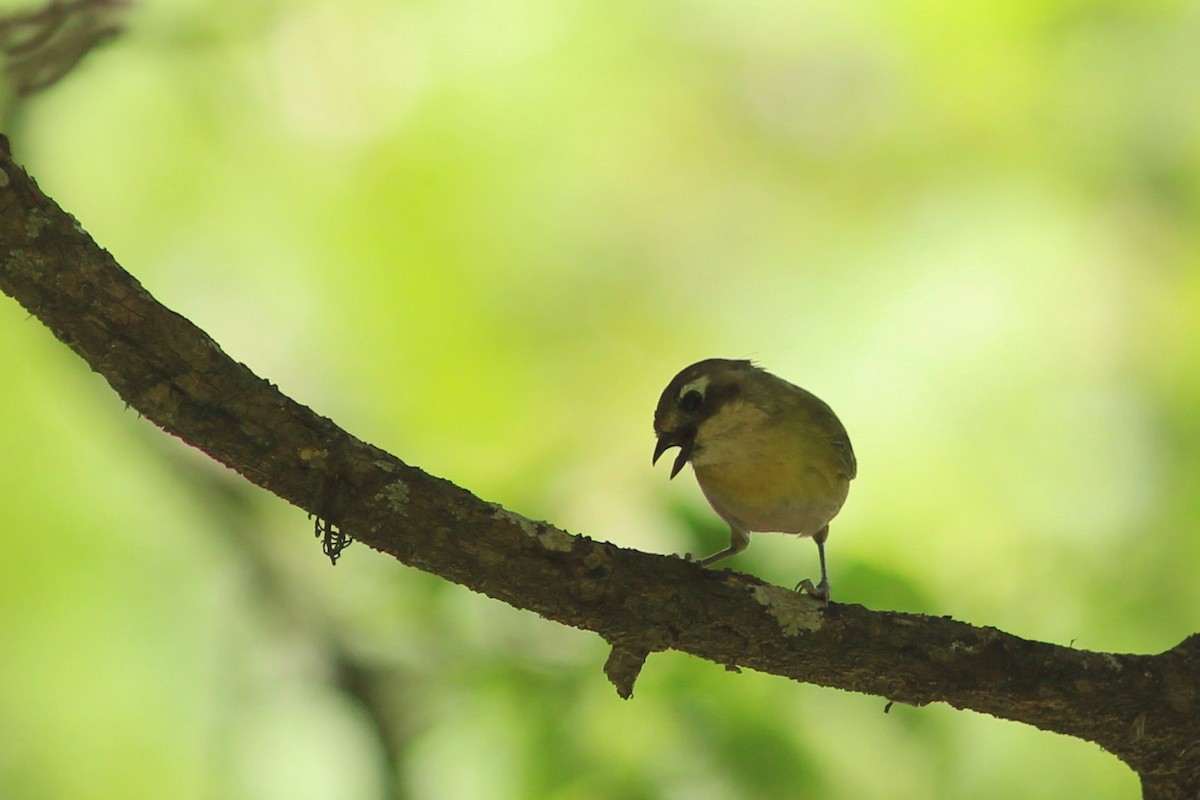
<point>760,493</point>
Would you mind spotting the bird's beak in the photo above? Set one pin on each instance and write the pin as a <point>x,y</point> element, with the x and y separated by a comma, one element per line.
<point>684,439</point>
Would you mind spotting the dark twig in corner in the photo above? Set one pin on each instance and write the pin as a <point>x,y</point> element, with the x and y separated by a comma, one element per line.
<point>40,47</point>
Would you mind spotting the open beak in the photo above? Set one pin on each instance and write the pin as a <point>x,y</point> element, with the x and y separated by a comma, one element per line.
<point>684,439</point>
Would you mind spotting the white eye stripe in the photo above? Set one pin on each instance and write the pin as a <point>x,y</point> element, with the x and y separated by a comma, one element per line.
<point>699,385</point>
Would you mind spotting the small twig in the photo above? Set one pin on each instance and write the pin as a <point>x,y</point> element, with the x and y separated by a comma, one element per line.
<point>41,47</point>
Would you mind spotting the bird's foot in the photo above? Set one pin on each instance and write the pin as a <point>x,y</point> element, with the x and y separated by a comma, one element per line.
<point>819,591</point>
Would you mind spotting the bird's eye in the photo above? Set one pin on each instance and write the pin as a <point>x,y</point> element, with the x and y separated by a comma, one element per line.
<point>690,400</point>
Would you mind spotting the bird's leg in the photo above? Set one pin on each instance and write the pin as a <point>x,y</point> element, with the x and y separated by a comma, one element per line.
<point>821,590</point>
<point>739,540</point>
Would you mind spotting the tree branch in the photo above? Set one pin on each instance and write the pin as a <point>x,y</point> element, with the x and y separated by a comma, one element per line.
<point>1140,708</point>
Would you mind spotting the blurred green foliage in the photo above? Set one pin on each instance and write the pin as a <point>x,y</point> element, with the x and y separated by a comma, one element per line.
<point>483,236</point>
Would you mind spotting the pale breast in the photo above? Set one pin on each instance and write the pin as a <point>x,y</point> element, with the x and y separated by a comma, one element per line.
<point>797,499</point>
<point>762,477</point>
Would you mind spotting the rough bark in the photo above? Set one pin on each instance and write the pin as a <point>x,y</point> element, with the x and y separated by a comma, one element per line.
<point>1141,708</point>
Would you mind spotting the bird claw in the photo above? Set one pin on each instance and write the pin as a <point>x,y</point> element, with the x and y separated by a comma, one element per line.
<point>820,591</point>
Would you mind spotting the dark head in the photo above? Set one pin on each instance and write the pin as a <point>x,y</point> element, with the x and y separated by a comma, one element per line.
<point>693,396</point>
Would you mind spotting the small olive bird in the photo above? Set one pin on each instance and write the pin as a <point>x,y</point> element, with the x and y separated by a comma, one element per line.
<point>768,455</point>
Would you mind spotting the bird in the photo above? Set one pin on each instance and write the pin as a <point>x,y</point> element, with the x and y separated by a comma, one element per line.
<point>768,455</point>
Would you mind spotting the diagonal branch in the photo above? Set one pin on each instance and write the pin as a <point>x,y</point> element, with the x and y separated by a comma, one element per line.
<point>1141,708</point>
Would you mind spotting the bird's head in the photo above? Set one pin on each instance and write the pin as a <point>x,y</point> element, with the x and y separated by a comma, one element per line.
<point>695,396</point>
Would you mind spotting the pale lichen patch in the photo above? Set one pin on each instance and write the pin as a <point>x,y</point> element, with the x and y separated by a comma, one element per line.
<point>794,613</point>
<point>310,453</point>
<point>552,538</point>
<point>395,495</point>
<point>548,536</point>
<point>35,223</point>
<point>502,513</point>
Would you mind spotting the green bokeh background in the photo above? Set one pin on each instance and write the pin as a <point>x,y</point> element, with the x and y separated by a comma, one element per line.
<point>483,236</point>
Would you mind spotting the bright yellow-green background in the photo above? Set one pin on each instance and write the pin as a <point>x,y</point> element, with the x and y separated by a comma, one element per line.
<point>483,235</point>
